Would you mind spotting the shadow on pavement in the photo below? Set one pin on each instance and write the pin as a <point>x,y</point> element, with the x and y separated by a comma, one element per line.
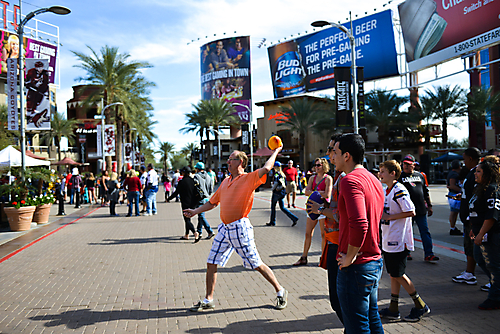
<point>107,242</point>
<point>310,254</point>
<point>75,319</point>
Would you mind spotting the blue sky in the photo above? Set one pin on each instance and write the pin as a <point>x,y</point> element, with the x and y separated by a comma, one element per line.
<point>158,31</point>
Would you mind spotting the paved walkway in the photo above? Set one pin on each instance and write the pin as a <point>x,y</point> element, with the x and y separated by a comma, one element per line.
<point>104,274</point>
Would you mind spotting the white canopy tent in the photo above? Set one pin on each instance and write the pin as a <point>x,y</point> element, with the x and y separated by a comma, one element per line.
<point>10,157</point>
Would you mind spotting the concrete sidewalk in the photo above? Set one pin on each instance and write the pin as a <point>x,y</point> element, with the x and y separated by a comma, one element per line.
<point>105,274</point>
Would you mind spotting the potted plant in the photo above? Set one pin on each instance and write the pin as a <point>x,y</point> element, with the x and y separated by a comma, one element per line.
<point>20,214</point>
<point>43,204</point>
<point>20,209</point>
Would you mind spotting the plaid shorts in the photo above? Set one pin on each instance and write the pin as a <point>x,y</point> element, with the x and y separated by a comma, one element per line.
<point>238,236</point>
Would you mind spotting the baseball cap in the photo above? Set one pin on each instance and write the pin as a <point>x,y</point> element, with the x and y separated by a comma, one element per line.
<point>186,169</point>
<point>199,165</point>
<point>409,159</point>
<point>277,164</point>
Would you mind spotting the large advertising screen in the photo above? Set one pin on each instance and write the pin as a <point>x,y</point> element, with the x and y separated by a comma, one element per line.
<point>437,31</point>
<point>225,73</point>
<point>9,46</point>
<point>307,63</point>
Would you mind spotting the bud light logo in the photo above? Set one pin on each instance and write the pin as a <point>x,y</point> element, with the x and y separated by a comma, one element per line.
<point>289,76</point>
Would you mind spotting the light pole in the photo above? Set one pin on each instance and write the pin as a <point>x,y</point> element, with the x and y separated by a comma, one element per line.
<point>123,143</point>
<point>59,10</point>
<point>102,117</point>
<point>353,65</point>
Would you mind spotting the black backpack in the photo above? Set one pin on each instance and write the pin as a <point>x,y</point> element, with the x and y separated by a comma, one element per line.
<point>199,194</point>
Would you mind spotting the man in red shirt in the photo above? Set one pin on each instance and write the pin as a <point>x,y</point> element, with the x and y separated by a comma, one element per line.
<point>360,205</point>
<point>132,185</point>
<point>292,177</point>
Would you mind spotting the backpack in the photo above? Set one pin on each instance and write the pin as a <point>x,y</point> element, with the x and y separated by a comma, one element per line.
<point>199,194</point>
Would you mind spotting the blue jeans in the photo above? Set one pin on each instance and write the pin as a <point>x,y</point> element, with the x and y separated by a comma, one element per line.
<point>278,198</point>
<point>357,288</point>
<point>491,255</point>
<point>71,195</point>
<point>333,269</point>
<point>133,196</point>
<point>202,221</point>
<point>425,235</point>
<point>150,195</point>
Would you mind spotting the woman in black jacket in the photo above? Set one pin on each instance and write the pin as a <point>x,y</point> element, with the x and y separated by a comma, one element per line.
<point>186,190</point>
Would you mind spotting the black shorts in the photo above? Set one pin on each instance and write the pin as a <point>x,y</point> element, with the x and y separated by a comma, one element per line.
<point>395,263</point>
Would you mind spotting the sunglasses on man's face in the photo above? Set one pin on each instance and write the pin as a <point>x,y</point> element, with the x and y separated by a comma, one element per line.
<point>329,149</point>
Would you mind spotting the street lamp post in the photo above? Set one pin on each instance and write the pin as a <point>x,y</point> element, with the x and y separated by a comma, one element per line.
<point>102,117</point>
<point>59,10</point>
<point>353,66</point>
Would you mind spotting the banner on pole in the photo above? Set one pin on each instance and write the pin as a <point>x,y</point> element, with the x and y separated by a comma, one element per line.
<point>13,110</point>
<point>128,152</point>
<point>37,94</point>
<point>109,140</point>
<point>343,97</point>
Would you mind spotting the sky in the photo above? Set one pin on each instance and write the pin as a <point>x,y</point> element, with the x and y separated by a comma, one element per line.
<point>161,31</point>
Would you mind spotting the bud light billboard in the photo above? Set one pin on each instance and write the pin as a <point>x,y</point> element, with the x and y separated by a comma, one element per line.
<point>307,63</point>
<point>225,73</point>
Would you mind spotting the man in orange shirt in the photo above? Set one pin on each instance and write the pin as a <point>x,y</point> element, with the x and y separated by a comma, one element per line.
<point>235,233</point>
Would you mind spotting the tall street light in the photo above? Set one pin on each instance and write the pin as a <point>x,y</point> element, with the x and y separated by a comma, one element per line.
<point>102,117</point>
<point>353,66</point>
<point>59,10</point>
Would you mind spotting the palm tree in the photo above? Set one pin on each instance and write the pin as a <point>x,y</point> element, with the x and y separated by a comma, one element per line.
<point>446,102</point>
<point>217,113</point>
<point>427,112</point>
<point>481,102</point>
<point>197,122</point>
<point>188,152</point>
<point>60,127</point>
<point>167,151</point>
<point>121,81</point>
<point>382,113</point>
<point>302,115</point>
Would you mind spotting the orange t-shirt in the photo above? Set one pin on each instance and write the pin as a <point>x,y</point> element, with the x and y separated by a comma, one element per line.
<point>236,196</point>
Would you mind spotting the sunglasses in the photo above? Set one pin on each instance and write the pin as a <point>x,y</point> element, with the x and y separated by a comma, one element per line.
<point>329,149</point>
<point>319,165</point>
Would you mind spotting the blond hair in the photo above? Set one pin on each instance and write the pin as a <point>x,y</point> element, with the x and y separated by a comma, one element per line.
<point>324,163</point>
<point>392,166</point>
<point>114,176</point>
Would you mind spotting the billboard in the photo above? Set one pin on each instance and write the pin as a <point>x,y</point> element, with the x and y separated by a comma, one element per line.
<point>437,31</point>
<point>37,94</point>
<point>307,63</point>
<point>9,45</point>
<point>225,73</point>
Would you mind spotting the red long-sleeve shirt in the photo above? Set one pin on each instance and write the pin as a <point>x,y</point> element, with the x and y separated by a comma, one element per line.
<point>361,203</point>
<point>132,184</point>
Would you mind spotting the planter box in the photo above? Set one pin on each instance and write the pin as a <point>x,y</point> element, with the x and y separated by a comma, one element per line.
<point>42,213</point>
<point>20,219</point>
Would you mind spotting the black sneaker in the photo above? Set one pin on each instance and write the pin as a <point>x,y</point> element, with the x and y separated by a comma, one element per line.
<point>489,304</point>
<point>486,287</point>
<point>456,231</point>
<point>416,314</point>
<point>281,302</point>
<point>431,259</point>
<point>387,314</point>
<point>270,224</point>
<point>201,306</point>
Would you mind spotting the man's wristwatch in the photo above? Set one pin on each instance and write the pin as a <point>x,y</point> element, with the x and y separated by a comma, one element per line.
<point>320,209</point>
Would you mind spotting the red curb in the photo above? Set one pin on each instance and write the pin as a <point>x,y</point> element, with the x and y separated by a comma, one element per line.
<point>5,258</point>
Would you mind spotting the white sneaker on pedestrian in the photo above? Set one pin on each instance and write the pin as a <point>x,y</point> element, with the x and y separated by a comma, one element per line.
<point>486,287</point>
<point>465,277</point>
<point>147,214</point>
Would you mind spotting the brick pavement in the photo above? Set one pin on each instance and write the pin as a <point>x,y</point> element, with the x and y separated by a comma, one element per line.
<point>134,275</point>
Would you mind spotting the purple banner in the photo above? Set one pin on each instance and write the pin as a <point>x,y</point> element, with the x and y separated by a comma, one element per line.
<point>40,50</point>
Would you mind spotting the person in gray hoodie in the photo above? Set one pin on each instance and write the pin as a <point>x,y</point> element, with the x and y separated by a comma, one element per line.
<point>207,185</point>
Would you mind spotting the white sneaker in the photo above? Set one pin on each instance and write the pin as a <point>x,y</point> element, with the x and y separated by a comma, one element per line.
<point>147,214</point>
<point>465,277</point>
<point>486,287</point>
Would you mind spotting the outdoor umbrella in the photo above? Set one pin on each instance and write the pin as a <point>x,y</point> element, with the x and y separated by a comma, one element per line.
<point>448,156</point>
<point>67,161</point>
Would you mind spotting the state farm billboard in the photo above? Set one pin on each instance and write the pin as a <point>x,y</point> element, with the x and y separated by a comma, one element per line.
<point>437,31</point>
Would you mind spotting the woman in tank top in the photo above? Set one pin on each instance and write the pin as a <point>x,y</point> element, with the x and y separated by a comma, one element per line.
<point>322,183</point>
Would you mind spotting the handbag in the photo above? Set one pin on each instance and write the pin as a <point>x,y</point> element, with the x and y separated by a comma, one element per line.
<point>326,204</point>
